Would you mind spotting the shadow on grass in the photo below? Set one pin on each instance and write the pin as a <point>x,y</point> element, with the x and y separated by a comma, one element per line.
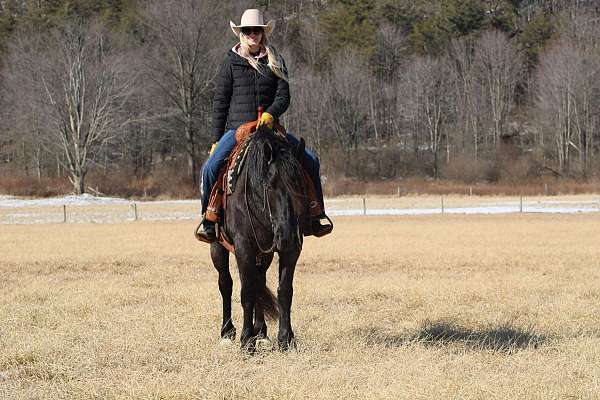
<point>503,338</point>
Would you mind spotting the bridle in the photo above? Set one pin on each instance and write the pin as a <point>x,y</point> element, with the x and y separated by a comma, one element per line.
<point>266,205</point>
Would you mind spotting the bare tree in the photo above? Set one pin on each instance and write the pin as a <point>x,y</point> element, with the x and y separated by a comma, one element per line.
<point>391,44</point>
<point>467,94</point>
<point>499,68</point>
<point>426,98</point>
<point>567,88</point>
<point>188,43</point>
<point>76,85</point>
<point>347,102</point>
<point>25,131</point>
<point>303,118</point>
<point>389,60</point>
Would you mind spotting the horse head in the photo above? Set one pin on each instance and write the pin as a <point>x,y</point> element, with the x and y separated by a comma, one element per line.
<point>279,175</point>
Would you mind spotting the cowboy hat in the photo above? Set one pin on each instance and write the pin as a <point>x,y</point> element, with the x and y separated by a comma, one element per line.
<point>252,17</point>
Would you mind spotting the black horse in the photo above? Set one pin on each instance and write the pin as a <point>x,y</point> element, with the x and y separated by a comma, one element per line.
<point>266,213</point>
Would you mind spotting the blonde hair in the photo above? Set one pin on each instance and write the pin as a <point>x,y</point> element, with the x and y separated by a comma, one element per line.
<point>274,60</point>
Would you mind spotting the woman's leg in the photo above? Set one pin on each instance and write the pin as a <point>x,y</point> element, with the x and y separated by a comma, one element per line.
<point>311,163</point>
<point>212,167</point>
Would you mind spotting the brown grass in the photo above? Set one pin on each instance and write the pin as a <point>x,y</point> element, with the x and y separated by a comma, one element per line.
<point>417,186</point>
<point>471,307</point>
<point>173,183</point>
<point>29,186</point>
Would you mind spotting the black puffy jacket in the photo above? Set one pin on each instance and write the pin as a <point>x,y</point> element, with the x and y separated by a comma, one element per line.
<point>241,89</point>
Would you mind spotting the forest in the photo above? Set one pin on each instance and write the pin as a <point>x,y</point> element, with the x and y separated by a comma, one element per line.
<point>115,96</point>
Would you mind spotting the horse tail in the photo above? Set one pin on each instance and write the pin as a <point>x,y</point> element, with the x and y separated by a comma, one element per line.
<point>266,300</point>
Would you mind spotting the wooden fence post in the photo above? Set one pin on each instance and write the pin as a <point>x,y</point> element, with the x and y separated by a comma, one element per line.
<point>521,204</point>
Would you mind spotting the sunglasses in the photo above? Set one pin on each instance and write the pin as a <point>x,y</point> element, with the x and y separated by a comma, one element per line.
<point>250,30</point>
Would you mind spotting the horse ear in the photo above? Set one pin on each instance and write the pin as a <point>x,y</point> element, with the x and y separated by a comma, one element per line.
<point>299,150</point>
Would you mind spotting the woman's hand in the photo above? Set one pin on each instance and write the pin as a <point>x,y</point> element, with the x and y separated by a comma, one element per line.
<point>267,120</point>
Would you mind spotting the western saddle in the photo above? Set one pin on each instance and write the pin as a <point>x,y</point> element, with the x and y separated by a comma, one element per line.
<point>225,184</point>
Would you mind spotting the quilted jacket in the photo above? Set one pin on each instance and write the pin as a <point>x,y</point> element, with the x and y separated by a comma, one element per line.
<point>240,90</point>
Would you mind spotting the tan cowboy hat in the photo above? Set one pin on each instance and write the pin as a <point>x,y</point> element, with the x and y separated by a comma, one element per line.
<point>252,17</point>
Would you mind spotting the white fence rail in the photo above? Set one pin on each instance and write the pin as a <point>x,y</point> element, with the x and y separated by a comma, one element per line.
<point>88,209</point>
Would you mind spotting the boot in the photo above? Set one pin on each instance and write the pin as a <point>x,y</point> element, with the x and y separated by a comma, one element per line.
<point>318,229</point>
<point>205,232</point>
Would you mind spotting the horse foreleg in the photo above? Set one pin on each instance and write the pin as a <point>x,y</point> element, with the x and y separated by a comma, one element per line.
<point>220,257</point>
<point>260,326</point>
<point>248,299</point>
<point>260,329</point>
<point>285,292</point>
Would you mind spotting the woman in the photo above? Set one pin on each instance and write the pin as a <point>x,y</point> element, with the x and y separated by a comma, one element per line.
<point>252,75</point>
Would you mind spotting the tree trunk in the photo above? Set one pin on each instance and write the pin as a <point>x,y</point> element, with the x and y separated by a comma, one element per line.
<point>38,163</point>
<point>435,164</point>
<point>191,150</point>
<point>78,181</point>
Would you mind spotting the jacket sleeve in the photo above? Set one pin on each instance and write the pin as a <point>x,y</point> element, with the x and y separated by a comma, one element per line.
<point>222,99</point>
<point>282,96</point>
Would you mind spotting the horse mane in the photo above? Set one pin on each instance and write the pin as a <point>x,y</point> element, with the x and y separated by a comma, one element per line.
<point>265,148</point>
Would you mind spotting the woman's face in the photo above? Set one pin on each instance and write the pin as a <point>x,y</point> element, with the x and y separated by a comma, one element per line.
<point>253,35</point>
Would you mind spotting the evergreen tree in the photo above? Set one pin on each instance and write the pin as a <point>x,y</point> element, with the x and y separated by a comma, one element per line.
<point>349,23</point>
<point>535,35</point>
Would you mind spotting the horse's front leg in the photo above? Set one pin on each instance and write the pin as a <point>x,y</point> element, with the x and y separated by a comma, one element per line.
<point>220,258</point>
<point>285,292</point>
<point>248,279</point>
<point>260,326</point>
<point>261,339</point>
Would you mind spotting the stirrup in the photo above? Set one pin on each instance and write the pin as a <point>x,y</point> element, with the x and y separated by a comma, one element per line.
<point>323,229</point>
<point>200,234</point>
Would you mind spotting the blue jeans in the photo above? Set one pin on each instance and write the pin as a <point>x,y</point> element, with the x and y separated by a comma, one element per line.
<point>217,160</point>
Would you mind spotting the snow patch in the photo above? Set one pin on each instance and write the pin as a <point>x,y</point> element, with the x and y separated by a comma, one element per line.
<point>71,200</point>
<point>464,210</point>
<point>10,212</point>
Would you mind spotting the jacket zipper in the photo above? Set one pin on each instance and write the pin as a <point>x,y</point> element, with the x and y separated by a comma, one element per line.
<point>256,91</point>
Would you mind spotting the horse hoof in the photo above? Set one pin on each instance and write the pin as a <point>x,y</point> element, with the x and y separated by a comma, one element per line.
<point>264,344</point>
<point>226,342</point>
<point>288,345</point>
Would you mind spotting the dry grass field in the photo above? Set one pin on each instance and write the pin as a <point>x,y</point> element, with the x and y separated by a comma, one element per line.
<point>432,307</point>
